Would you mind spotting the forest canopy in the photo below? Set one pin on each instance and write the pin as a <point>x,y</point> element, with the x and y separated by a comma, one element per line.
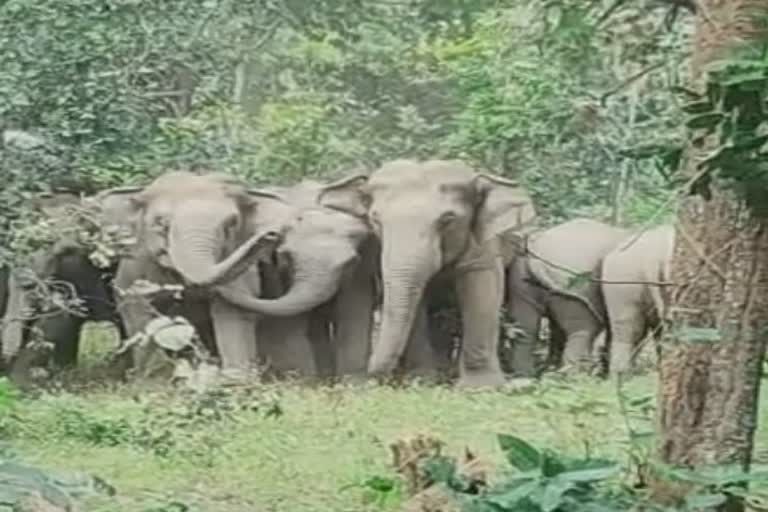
<point>560,93</point>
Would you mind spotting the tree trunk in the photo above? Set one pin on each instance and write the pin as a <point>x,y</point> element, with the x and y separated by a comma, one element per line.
<point>708,390</point>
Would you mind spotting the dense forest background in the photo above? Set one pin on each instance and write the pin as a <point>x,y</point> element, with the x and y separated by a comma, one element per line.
<point>578,98</point>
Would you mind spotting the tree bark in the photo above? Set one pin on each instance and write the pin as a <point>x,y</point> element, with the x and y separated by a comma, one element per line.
<point>707,393</point>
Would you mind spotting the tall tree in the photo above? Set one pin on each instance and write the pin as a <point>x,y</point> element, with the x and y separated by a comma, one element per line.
<point>710,367</point>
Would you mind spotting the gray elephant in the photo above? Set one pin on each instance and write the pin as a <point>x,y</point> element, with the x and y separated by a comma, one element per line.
<point>439,217</point>
<point>201,231</point>
<point>67,267</point>
<point>321,290</point>
<point>558,278</point>
<point>631,273</point>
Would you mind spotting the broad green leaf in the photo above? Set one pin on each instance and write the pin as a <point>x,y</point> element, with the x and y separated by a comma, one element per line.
<point>515,497</point>
<point>519,453</point>
<point>551,464</point>
<point>554,492</point>
<point>590,475</point>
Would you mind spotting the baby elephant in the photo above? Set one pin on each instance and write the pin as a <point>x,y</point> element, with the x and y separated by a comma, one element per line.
<point>631,274</point>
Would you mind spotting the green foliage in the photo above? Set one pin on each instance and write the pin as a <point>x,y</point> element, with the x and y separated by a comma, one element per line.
<point>119,90</point>
<point>544,482</point>
<point>176,432</point>
<point>733,110</point>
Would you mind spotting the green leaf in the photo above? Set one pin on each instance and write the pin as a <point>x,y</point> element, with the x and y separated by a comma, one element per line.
<point>517,496</point>
<point>551,464</point>
<point>554,492</point>
<point>591,475</point>
<point>519,453</point>
<point>704,501</point>
<point>380,484</point>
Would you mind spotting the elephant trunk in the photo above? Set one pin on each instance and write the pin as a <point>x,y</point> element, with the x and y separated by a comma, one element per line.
<point>405,275</point>
<point>193,248</point>
<point>313,284</point>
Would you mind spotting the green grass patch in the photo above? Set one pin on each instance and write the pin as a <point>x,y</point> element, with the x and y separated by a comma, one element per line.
<point>290,447</point>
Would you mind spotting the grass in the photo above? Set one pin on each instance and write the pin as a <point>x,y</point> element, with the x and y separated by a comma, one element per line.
<point>295,448</point>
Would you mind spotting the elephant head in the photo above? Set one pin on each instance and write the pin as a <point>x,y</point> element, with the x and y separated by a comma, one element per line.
<point>320,247</point>
<point>196,225</point>
<point>427,216</point>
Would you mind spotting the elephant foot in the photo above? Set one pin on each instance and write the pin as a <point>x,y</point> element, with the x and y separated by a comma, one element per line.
<point>481,380</point>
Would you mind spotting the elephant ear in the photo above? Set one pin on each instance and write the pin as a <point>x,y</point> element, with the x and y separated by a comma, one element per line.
<point>119,206</point>
<point>504,207</point>
<point>130,198</point>
<point>347,195</point>
<point>265,209</point>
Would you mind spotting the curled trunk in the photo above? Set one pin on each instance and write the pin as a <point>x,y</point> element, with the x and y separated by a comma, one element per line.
<point>313,286</point>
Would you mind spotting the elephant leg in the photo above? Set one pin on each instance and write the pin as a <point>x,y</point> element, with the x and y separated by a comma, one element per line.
<point>198,313</point>
<point>285,343</point>
<point>480,292</point>
<point>63,331</point>
<point>580,327</point>
<point>320,342</point>
<point>627,330</point>
<point>442,345</point>
<point>557,342</point>
<point>420,358</point>
<point>527,313</point>
<point>353,322</point>
<point>234,331</point>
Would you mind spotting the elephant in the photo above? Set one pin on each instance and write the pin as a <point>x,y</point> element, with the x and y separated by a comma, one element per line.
<point>433,219</point>
<point>67,267</point>
<point>321,290</point>
<point>556,278</point>
<point>201,231</point>
<point>633,299</point>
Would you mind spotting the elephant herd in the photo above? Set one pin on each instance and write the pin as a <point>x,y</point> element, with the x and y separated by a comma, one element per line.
<point>297,275</point>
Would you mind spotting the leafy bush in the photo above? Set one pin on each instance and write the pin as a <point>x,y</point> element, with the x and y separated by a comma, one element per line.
<point>545,482</point>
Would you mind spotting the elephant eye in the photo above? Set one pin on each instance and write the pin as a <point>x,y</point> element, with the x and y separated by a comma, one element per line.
<point>230,223</point>
<point>447,219</point>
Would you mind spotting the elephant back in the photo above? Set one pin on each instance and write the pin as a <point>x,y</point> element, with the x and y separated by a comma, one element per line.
<point>567,258</point>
